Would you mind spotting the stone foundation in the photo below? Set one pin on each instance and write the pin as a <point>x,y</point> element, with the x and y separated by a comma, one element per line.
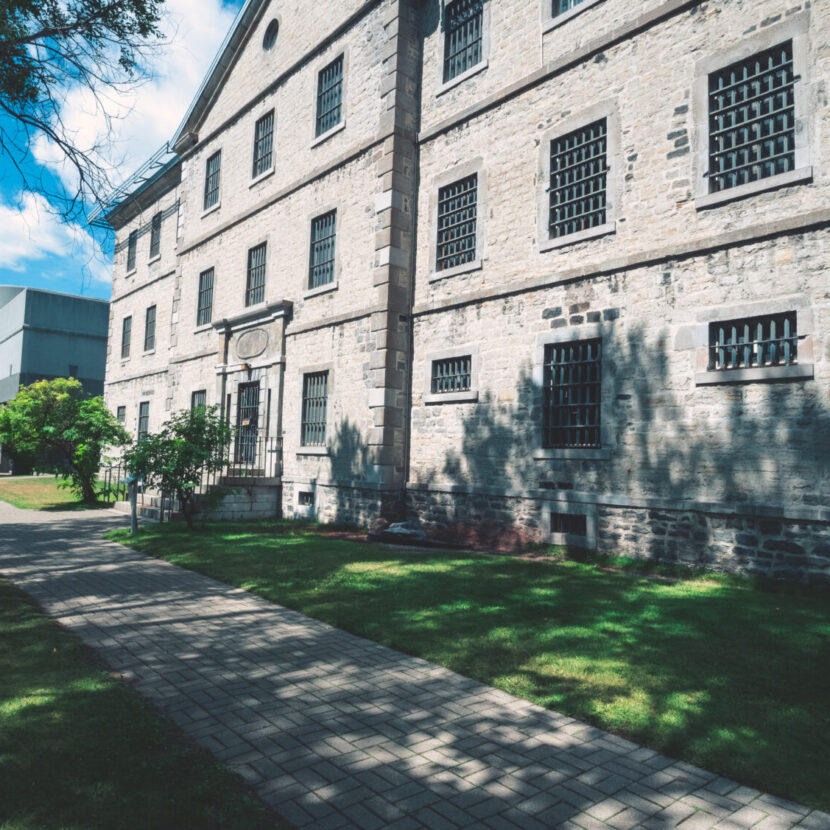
<point>337,504</point>
<point>771,548</point>
<point>252,501</point>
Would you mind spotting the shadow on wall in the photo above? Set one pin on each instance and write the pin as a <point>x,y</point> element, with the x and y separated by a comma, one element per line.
<point>734,444</point>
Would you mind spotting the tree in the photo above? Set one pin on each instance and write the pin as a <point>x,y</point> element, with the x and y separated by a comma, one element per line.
<point>190,444</point>
<point>52,418</point>
<point>51,47</point>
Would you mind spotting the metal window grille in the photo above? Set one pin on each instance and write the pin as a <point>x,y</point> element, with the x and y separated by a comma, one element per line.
<point>155,235</point>
<point>247,423</point>
<point>126,334</point>
<point>321,257</point>
<point>562,6</point>
<point>150,329</point>
<point>752,119</point>
<point>255,290</point>
<point>315,399</point>
<point>572,393</point>
<point>769,340</point>
<point>578,180</point>
<point>212,168</point>
<point>305,498</point>
<point>132,247</point>
<point>198,400</point>
<point>569,523</point>
<point>330,96</point>
<point>143,420</point>
<point>263,144</point>
<point>464,29</point>
<point>453,374</point>
<point>457,211</point>
<point>204,311</point>
<point>121,414</point>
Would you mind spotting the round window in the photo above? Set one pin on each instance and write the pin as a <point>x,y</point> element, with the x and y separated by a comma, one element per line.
<point>271,35</point>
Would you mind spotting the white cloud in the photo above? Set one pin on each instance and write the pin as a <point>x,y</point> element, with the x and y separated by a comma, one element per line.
<point>31,231</point>
<point>147,115</point>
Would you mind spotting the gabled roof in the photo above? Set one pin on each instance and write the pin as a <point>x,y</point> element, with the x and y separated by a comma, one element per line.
<point>186,134</point>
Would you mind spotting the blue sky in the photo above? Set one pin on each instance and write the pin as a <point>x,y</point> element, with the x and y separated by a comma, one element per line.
<point>36,248</point>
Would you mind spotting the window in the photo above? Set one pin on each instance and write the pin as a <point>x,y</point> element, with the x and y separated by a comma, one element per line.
<point>126,334</point>
<point>155,236</point>
<point>569,523</point>
<point>572,383</point>
<point>150,329</point>
<point>73,371</point>
<point>457,209</point>
<point>255,289</point>
<point>452,374</point>
<point>321,257</point>
<point>132,246</point>
<point>463,39</point>
<point>578,180</point>
<point>121,414</point>
<point>752,119</point>
<point>315,397</point>
<point>198,399</point>
<point>269,40</point>
<point>213,167</point>
<point>330,96</point>
<point>204,311</point>
<point>263,144</point>
<point>563,6</point>
<point>768,340</point>
<point>305,498</point>
<point>143,420</point>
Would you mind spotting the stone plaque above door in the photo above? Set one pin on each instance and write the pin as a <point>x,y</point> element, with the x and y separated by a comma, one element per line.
<point>251,343</point>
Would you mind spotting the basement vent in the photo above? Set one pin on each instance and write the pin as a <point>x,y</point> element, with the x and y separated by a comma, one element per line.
<point>569,523</point>
<point>305,499</point>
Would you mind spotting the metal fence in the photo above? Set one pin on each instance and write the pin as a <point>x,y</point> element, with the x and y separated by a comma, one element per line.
<point>250,455</point>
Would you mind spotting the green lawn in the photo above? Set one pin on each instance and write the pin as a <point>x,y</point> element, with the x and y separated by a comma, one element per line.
<point>79,750</point>
<point>717,671</point>
<point>40,493</point>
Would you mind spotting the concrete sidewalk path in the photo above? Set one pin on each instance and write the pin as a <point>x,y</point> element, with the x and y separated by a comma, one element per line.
<point>335,731</point>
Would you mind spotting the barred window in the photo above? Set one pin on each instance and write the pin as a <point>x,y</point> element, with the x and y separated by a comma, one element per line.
<point>330,96</point>
<point>452,374</point>
<point>569,523</point>
<point>463,36</point>
<point>752,119</point>
<point>255,289</point>
<point>768,340</point>
<point>305,498</point>
<point>126,335</point>
<point>143,420</point>
<point>572,391</point>
<point>321,257</point>
<point>198,400</point>
<point>562,6</point>
<point>204,311</point>
<point>578,180</point>
<point>263,144</point>
<point>150,329</point>
<point>213,166</point>
<point>315,399</point>
<point>457,210</point>
<point>155,235</point>
<point>121,414</point>
<point>132,247</point>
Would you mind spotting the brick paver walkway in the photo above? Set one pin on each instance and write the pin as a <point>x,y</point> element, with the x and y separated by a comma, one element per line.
<point>335,731</point>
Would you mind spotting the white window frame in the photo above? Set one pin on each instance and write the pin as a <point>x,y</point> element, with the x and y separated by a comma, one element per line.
<point>468,395</point>
<point>795,29</point>
<point>551,21</point>
<point>461,171</point>
<point>608,110</point>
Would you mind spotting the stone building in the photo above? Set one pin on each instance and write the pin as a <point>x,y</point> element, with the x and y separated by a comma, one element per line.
<point>520,270</point>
